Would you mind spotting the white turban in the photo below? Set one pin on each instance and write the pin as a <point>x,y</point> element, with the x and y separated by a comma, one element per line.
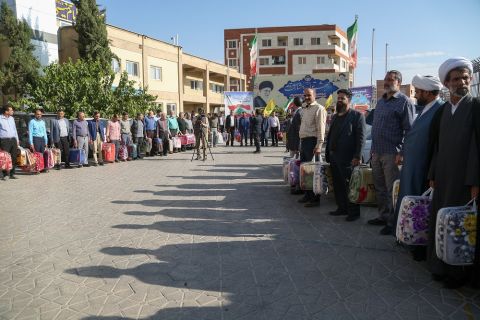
<point>453,63</point>
<point>427,83</point>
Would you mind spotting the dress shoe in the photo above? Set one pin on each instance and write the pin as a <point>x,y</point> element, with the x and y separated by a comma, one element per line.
<point>296,191</point>
<point>386,231</point>
<point>101,163</point>
<point>377,222</point>
<point>256,151</point>
<point>86,165</point>
<point>310,204</point>
<point>95,164</point>
<point>304,200</point>
<point>350,218</point>
<point>337,213</point>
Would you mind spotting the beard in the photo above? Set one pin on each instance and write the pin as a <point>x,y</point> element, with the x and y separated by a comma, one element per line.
<point>421,102</point>
<point>390,89</point>
<point>460,92</point>
<point>340,107</point>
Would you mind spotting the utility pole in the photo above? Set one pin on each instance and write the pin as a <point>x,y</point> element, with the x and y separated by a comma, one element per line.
<point>371,68</point>
<point>386,58</point>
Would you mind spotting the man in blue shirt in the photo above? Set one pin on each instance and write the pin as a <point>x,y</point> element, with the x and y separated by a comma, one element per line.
<point>37,132</point>
<point>392,119</point>
<point>8,137</point>
<point>150,131</point>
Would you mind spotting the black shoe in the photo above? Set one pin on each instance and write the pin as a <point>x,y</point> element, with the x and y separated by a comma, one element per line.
<point>337,213</point>
<point>386,231</point>
<point>86,165</point>
<point>95,164</point>
<point>352,217</point>
<point>13,177</point>
<point>80,166</point>
<point>377,222</point>
<point>58,167</point>
<point>304,200</point>
<point>310,204</point>
<point>296,191</point>
<point>256,151</point>
<point>116,160</point>
<point>68,167</point>
<point>101,163</point>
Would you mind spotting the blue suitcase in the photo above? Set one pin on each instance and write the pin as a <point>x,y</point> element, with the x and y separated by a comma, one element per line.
<point>77,156</point>
<point>132,150</point>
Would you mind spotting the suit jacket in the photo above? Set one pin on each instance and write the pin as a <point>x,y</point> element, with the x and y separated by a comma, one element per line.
<point>92,129</point>
<point>227,122</point>
<point>55,129</point>
<point>293,141</point>
<point>350,141</point>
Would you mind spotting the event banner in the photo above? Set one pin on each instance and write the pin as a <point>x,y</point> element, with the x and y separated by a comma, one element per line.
<point>362,98</point>
<point>283,88</point>
<point>238,102</point>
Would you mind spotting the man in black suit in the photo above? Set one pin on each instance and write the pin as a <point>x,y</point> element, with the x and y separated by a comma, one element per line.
<point>345,142</point>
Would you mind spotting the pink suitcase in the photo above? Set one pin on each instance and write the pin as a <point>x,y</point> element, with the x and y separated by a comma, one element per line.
<point>5,161</point>
<point>49,158</point>
<point>108,152</point>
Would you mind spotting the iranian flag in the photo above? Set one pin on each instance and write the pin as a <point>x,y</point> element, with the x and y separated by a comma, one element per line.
<point>352,43</point>
<point>253,56</point>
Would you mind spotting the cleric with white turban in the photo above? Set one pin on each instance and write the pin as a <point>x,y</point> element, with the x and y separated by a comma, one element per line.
<point>453,63</point>
<point>427,83</point>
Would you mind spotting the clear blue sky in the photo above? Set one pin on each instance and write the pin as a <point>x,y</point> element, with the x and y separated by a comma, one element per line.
<point>421,34</point>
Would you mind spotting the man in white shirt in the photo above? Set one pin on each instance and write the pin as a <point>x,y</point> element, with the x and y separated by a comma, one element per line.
<point>274,125</point>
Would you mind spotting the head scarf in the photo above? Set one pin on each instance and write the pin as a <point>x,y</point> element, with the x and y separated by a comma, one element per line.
<point>427,83</point>
<point>453,63</point>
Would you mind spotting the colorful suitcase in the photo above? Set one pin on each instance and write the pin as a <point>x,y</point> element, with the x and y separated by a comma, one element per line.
<point>190,138</point>
<point>413,219</point>
<point>22,159</point>
<point>123,152</point>
<point>294,172</point>
<point>285,168</point>
<point>456,229</point>
<point>133,150</point>
<point>183,140</point>
<point>26,160</point>
<point>361,188</point>
<point>306,175</point>
<point>5,161</point>
<point>177,144</point>
<point>57,153</point>
<point>77,156</point>
<point>320,180</point>
<point>395,191</point>
<point>170,145</point>
<point>49,158</point>
<point>39,162</point>
<point>108,152</point>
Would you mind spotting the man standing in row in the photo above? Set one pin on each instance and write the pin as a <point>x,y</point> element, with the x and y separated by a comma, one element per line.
<point>256,125</point>
<point>393,117</point>
<point>81,136</point>
<point>293,142</point>
<point>200,129</point>
<point>312,134</point>
<point>38,134</point>
<point>150,129</point>
<point>274,125</point>
<point>9,138</point>
<point>230,126</point>
<point>243,129</point>
<point>138,133</point>
<point>345,142</point>
<point>454,170</point>
<point>60,133</point>
<point>97,136</point>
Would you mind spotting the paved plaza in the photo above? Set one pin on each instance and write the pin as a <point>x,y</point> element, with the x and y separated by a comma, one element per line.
<point>167,238</point>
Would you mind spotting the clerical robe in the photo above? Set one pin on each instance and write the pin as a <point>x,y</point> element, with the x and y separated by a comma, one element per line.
<point>455,169</point>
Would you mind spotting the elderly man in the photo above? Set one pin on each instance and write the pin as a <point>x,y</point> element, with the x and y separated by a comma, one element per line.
<point>312,133</point>
<point>454,169</point>
<point>60,133</point>
<point>230,125</point>
<point>393,117</point>
<point>163,132</point>
<point>8,138</point>
<point>150,130</point>
<point>416,160</point>
<point>81,136</point>
<point>345,142</point>
<point>274,125</point>
<point>97,137</point>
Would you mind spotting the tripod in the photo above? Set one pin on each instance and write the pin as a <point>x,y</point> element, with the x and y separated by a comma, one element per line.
<point>205,146</point>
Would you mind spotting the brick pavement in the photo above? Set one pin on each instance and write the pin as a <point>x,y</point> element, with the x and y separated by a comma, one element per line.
<point>174,239</point>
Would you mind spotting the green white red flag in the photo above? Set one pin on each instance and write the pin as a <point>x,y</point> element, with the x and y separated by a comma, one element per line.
<point>253,56</point>
<point>352,43</point>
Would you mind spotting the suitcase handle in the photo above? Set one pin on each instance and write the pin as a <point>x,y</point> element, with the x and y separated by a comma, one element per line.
<point>428,193</point>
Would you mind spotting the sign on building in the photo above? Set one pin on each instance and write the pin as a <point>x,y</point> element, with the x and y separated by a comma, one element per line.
<point>238,102</point>
<point>66,11</point>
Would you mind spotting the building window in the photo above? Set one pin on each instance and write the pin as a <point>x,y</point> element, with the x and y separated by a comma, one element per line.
<point>302,60</point>
<point>266,42</point>
<point>344,64</point>
<point>344,46</point>
<point>320,60</point>
<point>278,60</point>
<point>264,61</point>
<point>132,68</point>
<point>217,88</point>
<point>298,41</point>
<point>316,41</point>
<point>156,73</point>
<point>232,62</point>
<point>171,108</point>
<point>232,44</point>
<point>196,85</point>
<point>115,65</point>
<point>282,41</point>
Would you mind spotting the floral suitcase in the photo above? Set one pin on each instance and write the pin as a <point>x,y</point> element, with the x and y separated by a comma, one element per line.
<point>413,219</point>
<point>395,192</point>
<point>361,187</point>
<point>49,158</point>
<point>293,172</point>
<point>456,230</point>
<point>39,162</point>
<point>108,152</point>
<point>123,152</point>
<point>306,175</point>
<point>320,181</point>
<point>22,159</point>
<point>285,168</point>
<point>5,161</point>
<point>57,154</point>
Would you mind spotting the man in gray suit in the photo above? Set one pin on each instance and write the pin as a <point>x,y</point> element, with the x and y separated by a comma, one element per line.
<point>60,134</point>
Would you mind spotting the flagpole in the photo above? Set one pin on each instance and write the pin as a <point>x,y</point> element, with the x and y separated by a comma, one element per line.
<point>257,67</point>
<point>371,68</point>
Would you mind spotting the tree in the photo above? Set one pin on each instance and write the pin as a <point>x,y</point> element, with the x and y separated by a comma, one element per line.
<point>20,72</point>
<point>93,43</point>
<point>127,98</point>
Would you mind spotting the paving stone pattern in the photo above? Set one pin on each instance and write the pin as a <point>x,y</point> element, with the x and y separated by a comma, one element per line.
<point>167,238</point>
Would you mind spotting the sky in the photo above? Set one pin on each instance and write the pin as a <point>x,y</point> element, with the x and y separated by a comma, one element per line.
<point>420,34</point>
